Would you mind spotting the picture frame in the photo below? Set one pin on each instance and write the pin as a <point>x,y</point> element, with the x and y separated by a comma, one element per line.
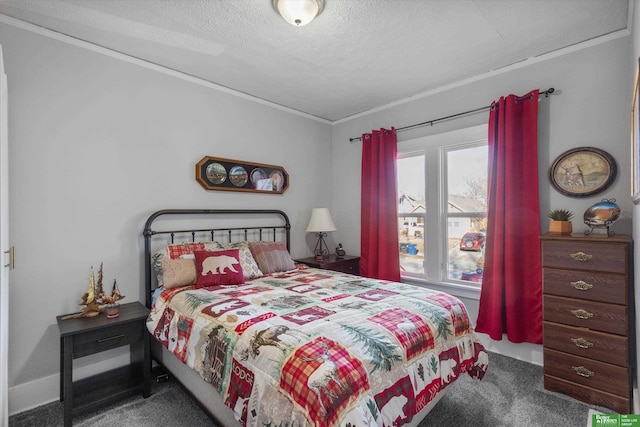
<point>583,172</point>
<point>635,139</point>
<point>216,173</point>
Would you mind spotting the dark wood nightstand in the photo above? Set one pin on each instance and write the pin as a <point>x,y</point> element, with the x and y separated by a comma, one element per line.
<point>346,264</point>
<point>84,336</point>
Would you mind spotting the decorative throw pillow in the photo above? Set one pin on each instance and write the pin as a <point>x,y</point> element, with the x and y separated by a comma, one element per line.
<point>218,268</point>
<point>178,272</point>
<point>249,265</point>
<point>213,246</point>
<point>272,257</point>
<point>156,262</point>
<point>175,251</point>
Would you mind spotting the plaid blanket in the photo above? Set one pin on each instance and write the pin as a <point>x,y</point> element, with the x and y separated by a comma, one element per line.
<point>316,347</point>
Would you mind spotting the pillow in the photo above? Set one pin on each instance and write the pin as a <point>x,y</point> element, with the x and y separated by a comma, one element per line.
<point>176,251</point>
<point>156,262</point>
<point>218,268</point>
<point>178,272</point>
<point>272,257</point>
<point>248,263</point>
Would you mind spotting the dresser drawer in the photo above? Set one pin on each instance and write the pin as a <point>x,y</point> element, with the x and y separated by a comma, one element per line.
<point>602,287</point>
<point>620,404</point>
<point>597,316</point>
<point>601,256</point>
<point>95,341</point>
<point>600,346</point>
<point>591,373</point>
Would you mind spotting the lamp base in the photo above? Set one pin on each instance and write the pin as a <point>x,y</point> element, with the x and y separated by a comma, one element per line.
<point>321,250</point>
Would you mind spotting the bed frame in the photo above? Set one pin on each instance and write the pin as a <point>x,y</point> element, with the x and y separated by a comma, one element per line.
<point>212,233</point>
<point>261,228</point>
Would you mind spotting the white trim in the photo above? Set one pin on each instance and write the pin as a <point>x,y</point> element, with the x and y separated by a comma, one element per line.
<point>4,245</point>
<point>41,391</point>
<point>433,147</point>
<point>459,290</point>
<point>507,68</point>
<point>137,61</point>
<point>149,65</point>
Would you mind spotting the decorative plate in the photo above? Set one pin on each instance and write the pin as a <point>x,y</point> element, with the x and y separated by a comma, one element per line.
<point>238,176</point>
<point>216,173</point>
<point>583,172</point>
<point>602,215</point>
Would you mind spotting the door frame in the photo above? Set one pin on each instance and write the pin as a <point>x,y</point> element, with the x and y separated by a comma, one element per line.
<point>6,264</point>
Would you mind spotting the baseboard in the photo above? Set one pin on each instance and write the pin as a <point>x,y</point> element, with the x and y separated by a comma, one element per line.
<point>531,353</point>
<point>32,394</point>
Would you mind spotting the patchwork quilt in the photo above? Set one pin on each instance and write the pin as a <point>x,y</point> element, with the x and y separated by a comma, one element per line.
<point>322,348</point>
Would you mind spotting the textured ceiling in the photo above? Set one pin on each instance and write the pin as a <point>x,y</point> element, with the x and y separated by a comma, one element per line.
<point>357,55</point>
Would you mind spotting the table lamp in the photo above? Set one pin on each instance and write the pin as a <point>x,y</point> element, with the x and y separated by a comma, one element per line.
<point>320,223</point>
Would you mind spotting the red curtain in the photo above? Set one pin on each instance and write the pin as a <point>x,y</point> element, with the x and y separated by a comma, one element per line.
<point>379,246</point>
<point>511,298</point>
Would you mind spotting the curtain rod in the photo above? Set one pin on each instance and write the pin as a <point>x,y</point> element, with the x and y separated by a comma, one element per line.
<point>546,93</point>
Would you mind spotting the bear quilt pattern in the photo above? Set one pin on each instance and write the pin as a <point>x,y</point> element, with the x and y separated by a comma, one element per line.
<point>320,348</point>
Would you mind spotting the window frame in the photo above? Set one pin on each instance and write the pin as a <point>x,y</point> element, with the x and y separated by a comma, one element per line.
<point>434,148</point>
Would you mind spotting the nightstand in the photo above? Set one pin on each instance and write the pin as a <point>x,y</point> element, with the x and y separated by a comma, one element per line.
<point>89,335</point>
<point>346,264</point>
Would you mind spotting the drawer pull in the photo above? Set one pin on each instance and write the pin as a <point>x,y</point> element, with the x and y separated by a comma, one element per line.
<point>582,314</point>
<point>581,285</point>
<point>581,256</point>
<point>115,337</point>
<point>582,343</point>
<point>583,372</point>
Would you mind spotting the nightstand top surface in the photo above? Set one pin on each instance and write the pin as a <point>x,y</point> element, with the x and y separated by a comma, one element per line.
<point>129,312</point>
<point>327,260</point>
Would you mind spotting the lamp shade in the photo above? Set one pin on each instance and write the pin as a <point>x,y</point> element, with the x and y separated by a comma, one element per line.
<point>298,12</point>
<point>320,221</point>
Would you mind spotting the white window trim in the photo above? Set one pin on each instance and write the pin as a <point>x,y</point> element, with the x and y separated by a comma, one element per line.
<point>436,259</point>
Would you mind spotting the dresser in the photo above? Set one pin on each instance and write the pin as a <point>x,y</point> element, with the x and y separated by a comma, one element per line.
<point>588,318</point>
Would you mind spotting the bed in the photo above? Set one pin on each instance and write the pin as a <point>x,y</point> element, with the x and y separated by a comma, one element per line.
<point>262,341</point>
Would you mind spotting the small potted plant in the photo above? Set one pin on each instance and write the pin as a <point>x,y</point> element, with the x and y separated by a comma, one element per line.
<point>560,221</point>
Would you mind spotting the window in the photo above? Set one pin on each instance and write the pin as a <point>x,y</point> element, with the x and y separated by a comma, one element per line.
<point>442,207</point>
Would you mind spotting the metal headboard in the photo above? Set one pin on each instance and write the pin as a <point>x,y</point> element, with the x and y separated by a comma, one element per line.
<point>265,214</point>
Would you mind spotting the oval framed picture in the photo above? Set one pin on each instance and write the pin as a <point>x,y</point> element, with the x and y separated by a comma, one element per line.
<point>583,171</point>
<point>216,173</point>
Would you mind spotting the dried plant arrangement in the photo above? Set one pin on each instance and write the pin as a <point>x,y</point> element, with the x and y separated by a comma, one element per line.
<point>95,299</point>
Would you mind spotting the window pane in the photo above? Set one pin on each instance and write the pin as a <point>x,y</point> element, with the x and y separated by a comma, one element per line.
<point>467,207</point>
<point>466,249</point>
<point>411,207</point>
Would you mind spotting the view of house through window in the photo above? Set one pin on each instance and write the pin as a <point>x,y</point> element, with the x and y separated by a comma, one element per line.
<point>443,212</point>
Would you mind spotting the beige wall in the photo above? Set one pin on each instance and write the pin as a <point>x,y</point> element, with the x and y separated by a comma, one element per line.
<point>96,145</point>
<point>589,108</point>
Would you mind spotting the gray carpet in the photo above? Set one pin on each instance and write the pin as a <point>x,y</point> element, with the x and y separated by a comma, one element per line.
<point>511,394</point>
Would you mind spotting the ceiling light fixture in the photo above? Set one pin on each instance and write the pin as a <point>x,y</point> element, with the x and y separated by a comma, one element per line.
<point>298,12</point>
